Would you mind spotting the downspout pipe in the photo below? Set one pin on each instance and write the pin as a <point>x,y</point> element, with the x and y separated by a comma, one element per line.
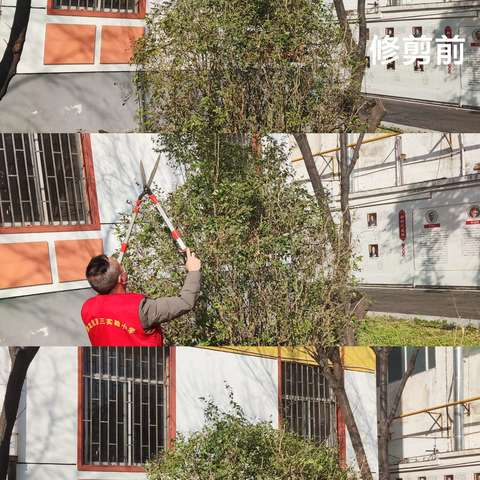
<point>458,393</point>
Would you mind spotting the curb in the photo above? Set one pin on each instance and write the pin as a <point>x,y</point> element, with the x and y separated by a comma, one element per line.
<point>459,322</point>
<point>405,128</point>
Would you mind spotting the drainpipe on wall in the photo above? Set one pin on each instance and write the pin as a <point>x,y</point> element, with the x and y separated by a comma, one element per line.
<point>399,157</point>
<point>458,394</point>
<point>460,151</point>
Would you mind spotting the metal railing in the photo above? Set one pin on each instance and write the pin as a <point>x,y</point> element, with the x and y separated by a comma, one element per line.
<point>308,404</point>
<point>124,404</point>
<point>110,6</point>
<point>42,180</point>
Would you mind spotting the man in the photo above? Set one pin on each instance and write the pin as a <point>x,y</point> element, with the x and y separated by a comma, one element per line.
<point>117,318</point>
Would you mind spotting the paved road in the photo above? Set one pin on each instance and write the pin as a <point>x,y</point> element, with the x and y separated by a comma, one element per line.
<point>431,117</point>
<point>439,303</point>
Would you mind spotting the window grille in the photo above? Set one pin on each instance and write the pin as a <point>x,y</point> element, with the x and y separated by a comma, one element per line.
<point>124,405</point>
<point>42,180</point>
<point>308,403</point>
<point>109,6</point>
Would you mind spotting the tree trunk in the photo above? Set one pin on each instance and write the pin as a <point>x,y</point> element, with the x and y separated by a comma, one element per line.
<point>345,191</point>
<point>386,416</point>
<point>13,50</point>
<point>383,430</point>
<point>21,357</point>
<point>373,110</point>
<point>316,181</point>
<point>330,362</point>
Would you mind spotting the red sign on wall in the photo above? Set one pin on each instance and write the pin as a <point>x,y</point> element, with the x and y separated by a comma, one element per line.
<point>402,225</point>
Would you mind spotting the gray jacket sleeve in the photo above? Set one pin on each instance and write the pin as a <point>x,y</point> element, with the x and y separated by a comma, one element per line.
<point>155,311</point>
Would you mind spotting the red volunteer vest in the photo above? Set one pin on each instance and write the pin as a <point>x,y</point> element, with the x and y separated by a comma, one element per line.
<point>113,320</point>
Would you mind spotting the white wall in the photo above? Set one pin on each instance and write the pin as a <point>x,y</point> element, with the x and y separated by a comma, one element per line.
<point>361,391</point>
<point>436,83</point>
<point>429,158</point>
<point>33,51</point>
<point>116,159</point>
<point>205,373</point>
<point>47,421</point>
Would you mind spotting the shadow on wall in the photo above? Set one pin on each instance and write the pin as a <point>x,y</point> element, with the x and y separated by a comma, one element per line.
<point>253,382</point>
<point>47,416</point>
<point>405,82</point>
<point>442,241</point>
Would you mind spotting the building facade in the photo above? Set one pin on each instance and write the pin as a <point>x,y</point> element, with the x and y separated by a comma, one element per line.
<point>457,84</point>
<point>62,195</point>
<point>435,435</point>
<point>75,72</point>
<point>415,206</point>
<point>90,413</point>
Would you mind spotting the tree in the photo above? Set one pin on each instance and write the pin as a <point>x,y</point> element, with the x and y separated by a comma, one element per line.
<point>20,357</point>
<point>247,66</point>
<point>386,412</point>
<point>328,357</point>
<point>14,48</point>
<point>230,447</point>
<point>276,271</point>
<point>371,111</point>
<point>270,275</point>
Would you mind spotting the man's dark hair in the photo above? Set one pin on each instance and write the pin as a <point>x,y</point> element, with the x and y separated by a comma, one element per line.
<point>101,274</point>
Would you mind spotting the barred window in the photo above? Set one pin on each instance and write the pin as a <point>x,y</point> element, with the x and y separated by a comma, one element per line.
<point>42,180</point>
<point>100,6</point>
<point>308,403</point>
<point>398,359</point>
<point>124,405</point>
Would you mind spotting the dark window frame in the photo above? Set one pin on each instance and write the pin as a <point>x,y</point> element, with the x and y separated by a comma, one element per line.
<point>52,9</point>
<point>314,395</point>
<point>88,187</point>
<point>168,427</point>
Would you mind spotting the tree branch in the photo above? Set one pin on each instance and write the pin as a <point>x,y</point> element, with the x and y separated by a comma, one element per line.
<point>14,48</point>
<point>356,153</point>
<point>398,394</point>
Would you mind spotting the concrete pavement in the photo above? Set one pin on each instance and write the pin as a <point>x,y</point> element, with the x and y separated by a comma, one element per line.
<point>433,303</point>
<point>425,116</point>
<point>45,319</point>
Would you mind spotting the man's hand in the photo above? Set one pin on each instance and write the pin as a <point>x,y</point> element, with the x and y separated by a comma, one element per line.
<point>192,264</point>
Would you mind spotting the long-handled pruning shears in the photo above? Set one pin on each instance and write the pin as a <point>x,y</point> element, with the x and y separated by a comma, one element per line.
<point>136,208</point>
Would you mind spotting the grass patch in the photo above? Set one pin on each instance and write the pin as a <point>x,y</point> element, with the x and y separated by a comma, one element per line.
<point>389,331</point>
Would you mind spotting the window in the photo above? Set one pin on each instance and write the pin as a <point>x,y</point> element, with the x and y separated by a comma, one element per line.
<point>422,478</point>
<point>308,405</point>
<point>448,477</point>
<point>98,8</point>
<point>398,361</point>
<point>373,250</point>
<point>417,32</point>
<point>389,32</point>
<point>123,406</point>
<point>372,219</point>
<point>44,182</point>
<point>390,64</point>
<point>476,476</point>
<point>418,65</point>
<point>368,34</point>
<point>367,62</point>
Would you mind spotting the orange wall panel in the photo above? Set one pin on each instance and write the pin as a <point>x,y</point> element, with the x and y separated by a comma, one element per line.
<point>68,44</point>
<point>24,264</point>
<point>117,43</point>
<point>73,257</point>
